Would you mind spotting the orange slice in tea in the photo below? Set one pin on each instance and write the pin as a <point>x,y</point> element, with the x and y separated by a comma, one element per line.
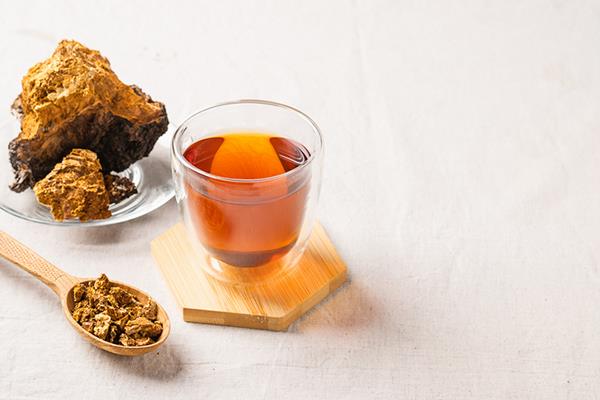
<point>246,156</point>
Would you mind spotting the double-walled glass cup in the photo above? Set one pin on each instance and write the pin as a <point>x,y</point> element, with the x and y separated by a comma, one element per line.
<point>248,230</point>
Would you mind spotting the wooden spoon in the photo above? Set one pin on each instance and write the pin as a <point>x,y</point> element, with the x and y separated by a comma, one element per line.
<point>63,284</point>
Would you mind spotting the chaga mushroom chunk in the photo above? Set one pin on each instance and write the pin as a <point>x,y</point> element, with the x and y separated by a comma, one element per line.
<point>119,188</point>
<point>74,100</point>
<point>75,188</point>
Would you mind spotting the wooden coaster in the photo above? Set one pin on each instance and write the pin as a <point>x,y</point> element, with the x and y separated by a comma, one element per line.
<point>273,305</point>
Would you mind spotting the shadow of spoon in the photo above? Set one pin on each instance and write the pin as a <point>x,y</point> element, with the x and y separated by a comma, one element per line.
<point>62,284</point>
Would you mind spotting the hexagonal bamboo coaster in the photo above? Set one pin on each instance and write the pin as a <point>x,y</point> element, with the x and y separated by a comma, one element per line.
<point>272,305</point>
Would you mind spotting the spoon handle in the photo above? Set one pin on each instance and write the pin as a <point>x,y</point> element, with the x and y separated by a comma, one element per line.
<point>25,258</point>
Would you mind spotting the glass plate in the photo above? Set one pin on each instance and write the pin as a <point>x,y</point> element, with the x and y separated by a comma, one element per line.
<point>151,175</point>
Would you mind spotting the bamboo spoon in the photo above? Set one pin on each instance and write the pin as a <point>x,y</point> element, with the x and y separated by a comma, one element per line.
<point>63,284</point>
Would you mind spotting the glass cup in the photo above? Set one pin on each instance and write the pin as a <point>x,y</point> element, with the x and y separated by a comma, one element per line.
<point>248,229</point>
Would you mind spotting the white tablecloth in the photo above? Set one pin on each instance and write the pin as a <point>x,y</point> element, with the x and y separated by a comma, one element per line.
<point>461,185</point>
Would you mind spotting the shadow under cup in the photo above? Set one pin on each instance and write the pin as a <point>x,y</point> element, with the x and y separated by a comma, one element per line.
<point>249,229</point>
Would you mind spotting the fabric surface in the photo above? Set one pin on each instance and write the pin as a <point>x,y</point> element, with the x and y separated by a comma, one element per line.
<point>461,186</point>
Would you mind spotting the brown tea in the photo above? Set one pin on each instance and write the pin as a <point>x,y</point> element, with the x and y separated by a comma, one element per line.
<point>250,211</point>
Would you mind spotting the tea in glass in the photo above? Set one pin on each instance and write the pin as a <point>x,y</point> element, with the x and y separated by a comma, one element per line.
<point>241,229</point>
<point>247,178</point>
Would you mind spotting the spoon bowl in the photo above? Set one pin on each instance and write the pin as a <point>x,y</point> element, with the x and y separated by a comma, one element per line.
<point>68,305</point>
<point>63,284</point>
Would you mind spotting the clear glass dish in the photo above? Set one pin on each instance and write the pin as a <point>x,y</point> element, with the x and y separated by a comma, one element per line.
<point>151,175</point>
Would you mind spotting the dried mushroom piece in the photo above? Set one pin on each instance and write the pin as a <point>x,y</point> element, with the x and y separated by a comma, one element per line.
<point>150,311</point>
<point>126,340</point>
<point>74,100</point>
<point>102,325</point>
<point>119,188</point>
<point>115,315</point>
<point>142,327</point>
<point>75,188</point>
<point>113,334</point>
<point>78,293</point>
<point>102,285</point>
<point>123,297</point>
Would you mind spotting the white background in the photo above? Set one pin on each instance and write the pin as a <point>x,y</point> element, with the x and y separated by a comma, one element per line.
<point>462,187</point>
